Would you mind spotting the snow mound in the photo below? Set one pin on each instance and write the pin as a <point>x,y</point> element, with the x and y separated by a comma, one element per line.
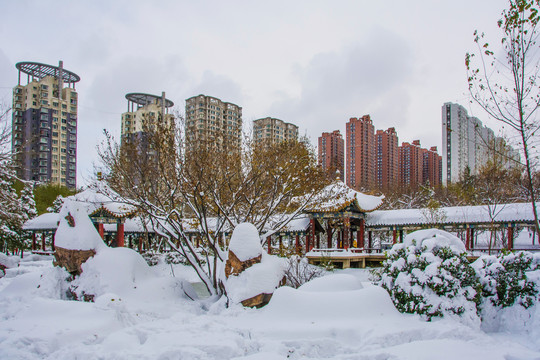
<point>245,242</point>
<point>261,278</point>
<point>83,235</point>
<point>111,270</point>
<point>8,261</point>
<point>433,239</point>
<point>294,304</point>
<point>334,282</point>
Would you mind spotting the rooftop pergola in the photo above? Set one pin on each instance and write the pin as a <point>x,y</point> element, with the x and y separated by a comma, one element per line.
<point>36,70</point>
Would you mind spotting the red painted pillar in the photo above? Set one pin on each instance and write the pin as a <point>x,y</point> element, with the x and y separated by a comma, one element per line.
<point>101,230</point>
<point>369,241</point>
<point>269,241</point>
<point>328,236</point>
<point>298,249</point>
<point>140,244</point>
<point>318,241</point>
<point>361,233</point>
<point>312,231</point>
<point>43,241</point>
<point>394,236</point>
<point>307,241</point>
<point>34,241</point>
<point>468,239</point>
<point>510,237</point>
<point>120,235</point>
<point>347,232</point>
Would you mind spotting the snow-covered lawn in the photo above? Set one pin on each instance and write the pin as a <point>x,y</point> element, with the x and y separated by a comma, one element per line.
<point>340,316</point>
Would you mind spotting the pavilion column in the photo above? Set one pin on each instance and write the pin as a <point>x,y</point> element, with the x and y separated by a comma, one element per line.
<point>318,241</point>
<point>328,236</point>
<point>401,236</point>
<point>361,233</point>
<point>359,239</point>
<point>369,241</point>
<point>394,236</point>
<point>269,243</point>
<point>347,232</point>
<point>312,230</point>
<point>34,241</point>
<point>468,239</point>
<point>510,237</point>
<point>53,245</point>
<point>120,234</point>
<point>101,230</point>
<point>140,244</point>
<point>298,249</point>
<point>307,241</point>
<point>43,241</point>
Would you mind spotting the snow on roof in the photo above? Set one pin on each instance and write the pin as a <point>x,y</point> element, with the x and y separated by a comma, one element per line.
<point>338,196</point>
<point>47,221</point>
<point>518,212</point>
<point>96,199</point>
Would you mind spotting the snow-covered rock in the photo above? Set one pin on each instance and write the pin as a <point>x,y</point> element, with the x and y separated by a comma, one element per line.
<point>75,230</point>
<point>76,238</point>
<point>251,275</point>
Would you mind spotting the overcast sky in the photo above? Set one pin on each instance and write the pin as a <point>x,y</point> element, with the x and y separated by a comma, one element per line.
<point>311,63</point>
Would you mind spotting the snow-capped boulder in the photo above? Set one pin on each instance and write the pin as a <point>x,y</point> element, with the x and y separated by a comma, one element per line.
<point>76,238</point>
<point>251,275</point>
<point>245,249</point>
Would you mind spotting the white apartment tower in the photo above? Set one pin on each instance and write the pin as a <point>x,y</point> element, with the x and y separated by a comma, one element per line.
<point>467,143</point>
<point>214,122</point>
<point>273,131</point>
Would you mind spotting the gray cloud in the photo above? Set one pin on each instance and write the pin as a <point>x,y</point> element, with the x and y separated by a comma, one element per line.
<point>369,77</point>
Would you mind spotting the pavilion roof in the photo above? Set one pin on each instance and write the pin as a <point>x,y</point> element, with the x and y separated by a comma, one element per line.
<point>98,203</point>
<point>480,214</point>
<point>338,197</point>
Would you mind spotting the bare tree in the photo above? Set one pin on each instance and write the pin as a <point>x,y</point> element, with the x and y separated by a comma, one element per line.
<point>507,88</point>
<point>214,184</point>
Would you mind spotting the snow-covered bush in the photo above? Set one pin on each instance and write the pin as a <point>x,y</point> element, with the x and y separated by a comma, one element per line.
<point>175,257</point>
<point>506,279</point>
<point>430,275</point>
<point>152,258</point>
<point>299,271</point>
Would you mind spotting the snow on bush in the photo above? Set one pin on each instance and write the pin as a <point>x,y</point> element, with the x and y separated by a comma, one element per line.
<point>430,275</point>
<point>300,271</point>
<point>509,278</point>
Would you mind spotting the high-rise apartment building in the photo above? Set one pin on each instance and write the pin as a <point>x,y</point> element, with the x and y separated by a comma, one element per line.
<point>387,161</point>
<point>331,153</point>
<point>271,130</point>
<point>411,165</point>
<point>360,143</point>
<point>467,143</point>
<point>143,113</point>
<point>213,122</point>
<point>44,124</point>
<point>432,167</point>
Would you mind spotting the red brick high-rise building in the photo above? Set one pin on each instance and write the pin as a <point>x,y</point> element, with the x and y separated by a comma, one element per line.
<point>432,167</point>
<point>331,153</point>
<point>361,154</point>
<point>387,161</point>
<point>411,165</point>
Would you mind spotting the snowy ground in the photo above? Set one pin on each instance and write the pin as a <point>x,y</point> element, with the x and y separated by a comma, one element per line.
<point>340,316</point>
